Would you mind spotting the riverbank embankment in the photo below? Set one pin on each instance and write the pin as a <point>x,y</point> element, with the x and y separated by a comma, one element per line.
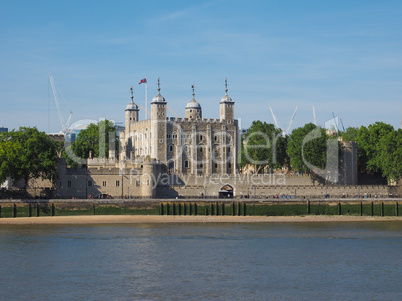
<point>33,208</point>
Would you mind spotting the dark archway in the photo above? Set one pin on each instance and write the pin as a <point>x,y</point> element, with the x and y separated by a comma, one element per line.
<point>226,192</point>
<point>171,166</point>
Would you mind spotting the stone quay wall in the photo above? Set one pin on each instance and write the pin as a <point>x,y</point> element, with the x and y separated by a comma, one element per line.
<point>250,207</point>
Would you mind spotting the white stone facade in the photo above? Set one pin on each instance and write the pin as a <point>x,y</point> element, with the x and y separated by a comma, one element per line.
<point>190,145</point>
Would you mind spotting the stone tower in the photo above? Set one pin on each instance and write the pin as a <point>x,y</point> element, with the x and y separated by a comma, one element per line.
<point>148,178</point>
<point>131,114</point>
<point>158,126</point>
<point>226,106</point>
<point>193,108</point>
<point>131,117</point>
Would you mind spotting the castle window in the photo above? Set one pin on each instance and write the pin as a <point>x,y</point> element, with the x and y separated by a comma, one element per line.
<point>170,148</point>
<point>201,165</point>
<point>191,111</point>
<point>191,116</point>
<point>168,135</point>
<point>68,183</point>
<point>137,183</point>
<point>200,149</point>
<point>229,165</point>
<point>216,165</point>
<point>104,183</point>
<point>216,138</point>
<point>117,183</point>
<point>186,164</point>
<point>89,183</point>
<point>200,137</point>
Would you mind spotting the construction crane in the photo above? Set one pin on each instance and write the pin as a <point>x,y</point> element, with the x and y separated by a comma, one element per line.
<point>342,124</point>
<point>144,109</point>
<point>291,120</point>
<point>273,116</point>
<point>64,126</point>
<point>315,121</point>
<point>284,133</point>
<point>172,111</point>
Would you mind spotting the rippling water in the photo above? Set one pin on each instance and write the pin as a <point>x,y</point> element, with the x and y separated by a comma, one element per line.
<point>296,261</point>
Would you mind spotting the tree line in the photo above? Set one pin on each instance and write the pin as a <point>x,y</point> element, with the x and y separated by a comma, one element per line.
<point>379,148</point>
<point>28,153</point>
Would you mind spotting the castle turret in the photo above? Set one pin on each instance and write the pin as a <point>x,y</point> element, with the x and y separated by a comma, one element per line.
<point>158,126</point>
<point>148,178</point>
<point>193,108</point>
<point>131,117</point>
<point>131,114</point>
<point>226,106</point>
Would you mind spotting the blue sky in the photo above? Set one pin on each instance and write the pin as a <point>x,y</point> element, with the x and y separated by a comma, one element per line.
<point>343,57</point>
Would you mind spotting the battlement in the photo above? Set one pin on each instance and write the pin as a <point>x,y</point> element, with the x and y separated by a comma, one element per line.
<point>200,120</point>
<point>143,122</point>
<point>102,161</point>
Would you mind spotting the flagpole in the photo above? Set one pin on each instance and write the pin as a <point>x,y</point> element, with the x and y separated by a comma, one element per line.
<point>146,98</point>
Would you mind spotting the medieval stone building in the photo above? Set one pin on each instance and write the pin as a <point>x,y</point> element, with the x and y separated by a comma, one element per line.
<point>189,145</point>
<point>164,157</point>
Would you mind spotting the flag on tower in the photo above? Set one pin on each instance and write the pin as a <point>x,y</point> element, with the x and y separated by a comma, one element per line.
<point>143,81</point>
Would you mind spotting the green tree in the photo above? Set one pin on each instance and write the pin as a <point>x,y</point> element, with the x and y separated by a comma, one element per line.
<point>368,141</point>
<point>350,134</point>
<point>89,141</point>
<point>265,146</point>
<point>390,155</point>
<point>242,160</point>
<point>314,151</point>
<point>27,153</point>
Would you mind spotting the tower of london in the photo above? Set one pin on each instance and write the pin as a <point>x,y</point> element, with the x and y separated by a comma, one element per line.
<point>190,145</point>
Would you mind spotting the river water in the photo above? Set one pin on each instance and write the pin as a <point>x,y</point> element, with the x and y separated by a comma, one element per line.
<point>277,261</point>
